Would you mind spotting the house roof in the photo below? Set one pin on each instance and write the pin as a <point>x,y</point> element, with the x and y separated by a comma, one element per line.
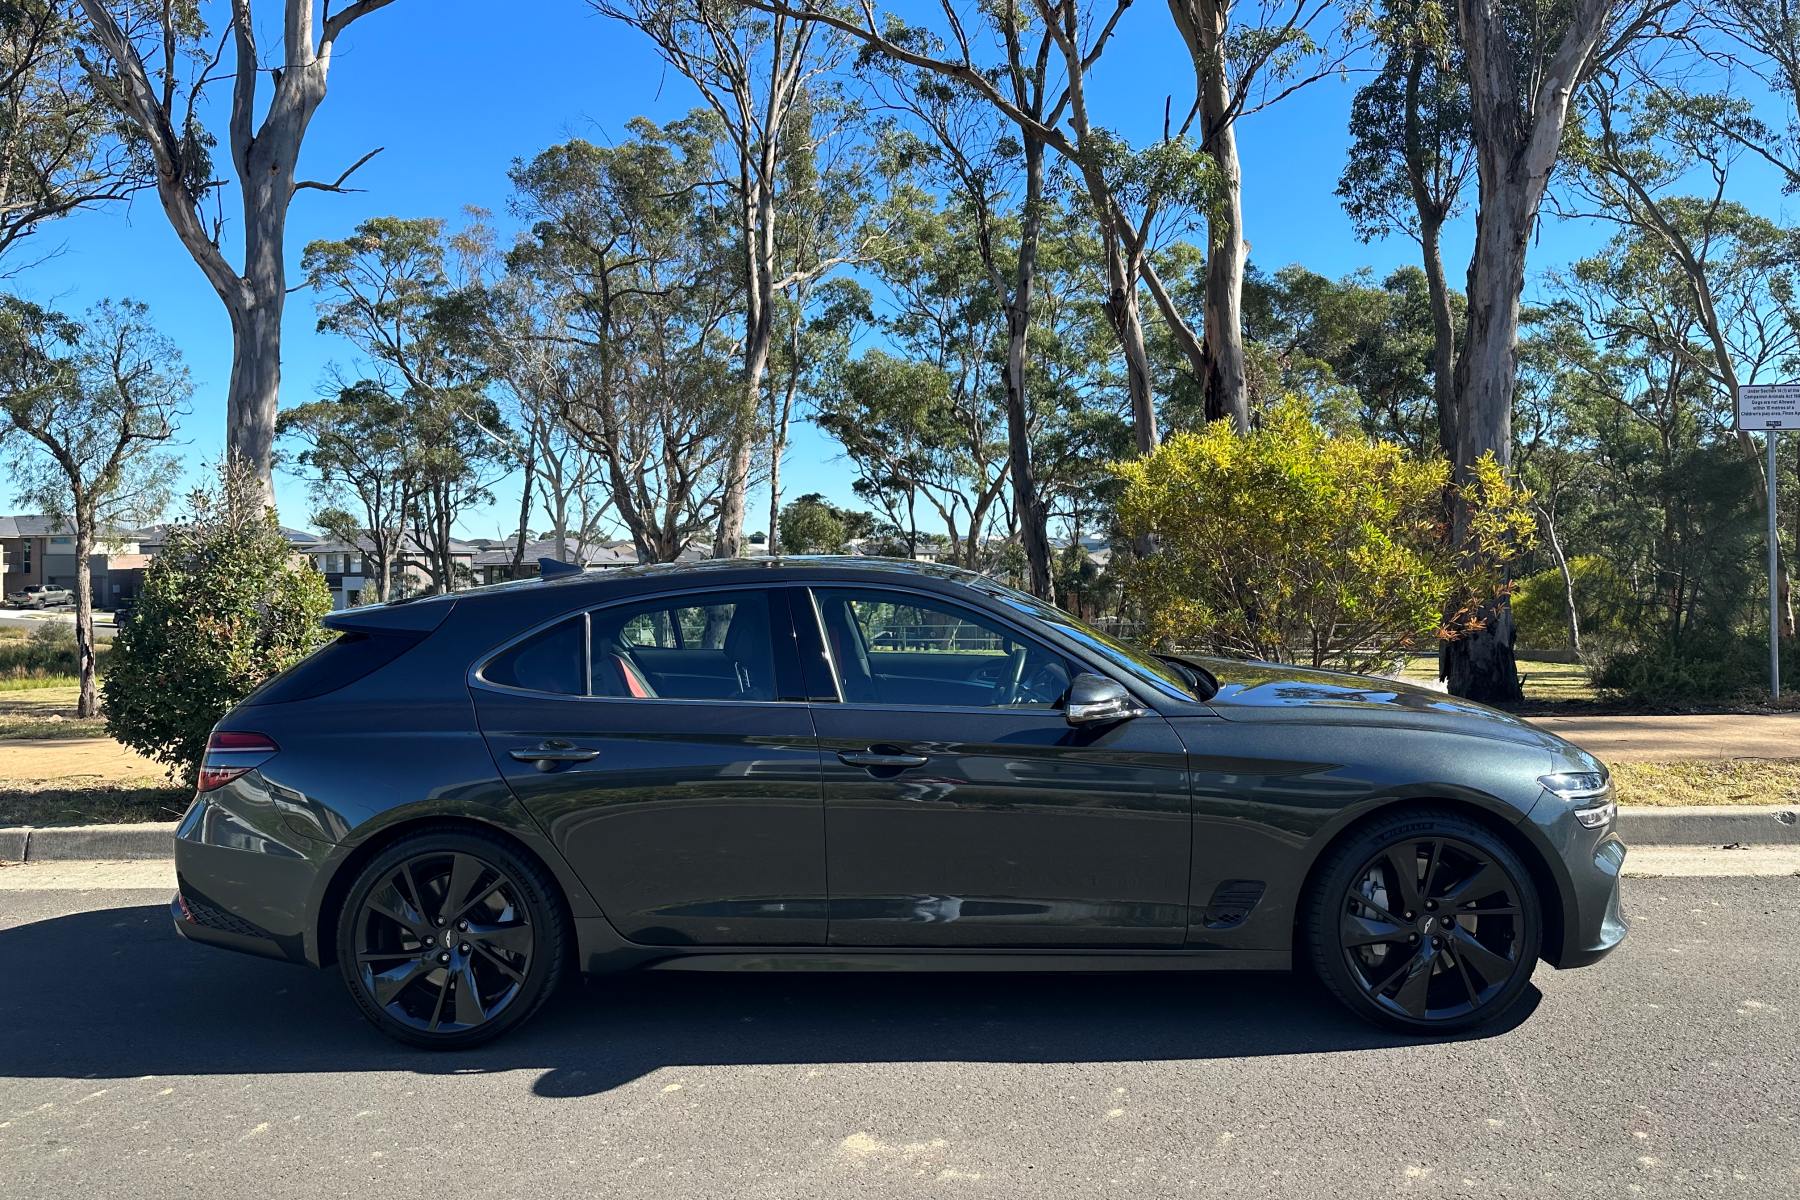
<point>613,554</point>
<point>364,545</point>
<point>33,525</point>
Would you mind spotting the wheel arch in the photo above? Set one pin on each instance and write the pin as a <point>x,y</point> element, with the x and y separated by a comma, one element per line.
<point>1553,893</point>
<point>343,875</point>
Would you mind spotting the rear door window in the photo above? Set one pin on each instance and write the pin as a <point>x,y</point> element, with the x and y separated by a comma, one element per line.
<point>711,646</point>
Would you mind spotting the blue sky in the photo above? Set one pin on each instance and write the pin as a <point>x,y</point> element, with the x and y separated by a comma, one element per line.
<point>455,93</point>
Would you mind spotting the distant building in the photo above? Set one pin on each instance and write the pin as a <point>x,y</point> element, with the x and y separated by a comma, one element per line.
<point>349,568</point>
<point>41,550</point>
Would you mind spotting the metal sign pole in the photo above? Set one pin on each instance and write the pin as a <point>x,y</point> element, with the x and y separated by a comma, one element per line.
<point>1769,408</point>
<point>1772,437</point>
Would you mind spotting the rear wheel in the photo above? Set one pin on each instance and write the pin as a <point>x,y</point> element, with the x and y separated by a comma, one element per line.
<point>449,938</point>
<point>1425,921</point>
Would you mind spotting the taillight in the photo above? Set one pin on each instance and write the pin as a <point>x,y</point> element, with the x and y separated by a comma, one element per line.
<point>231,752</point>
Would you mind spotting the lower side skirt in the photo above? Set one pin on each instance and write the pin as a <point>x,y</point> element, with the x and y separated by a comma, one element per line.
<point>604,952</point>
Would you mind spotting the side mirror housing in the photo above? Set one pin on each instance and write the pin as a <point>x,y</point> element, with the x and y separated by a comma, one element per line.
<point>1097,700</point>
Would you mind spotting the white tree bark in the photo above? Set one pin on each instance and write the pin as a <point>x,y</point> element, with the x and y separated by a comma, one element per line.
<point>264,157</point>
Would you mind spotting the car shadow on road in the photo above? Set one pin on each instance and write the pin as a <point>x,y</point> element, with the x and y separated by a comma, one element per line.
<point>115,993</point>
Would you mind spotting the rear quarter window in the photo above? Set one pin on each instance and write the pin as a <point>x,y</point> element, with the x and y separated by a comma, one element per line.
<point>352,655</point>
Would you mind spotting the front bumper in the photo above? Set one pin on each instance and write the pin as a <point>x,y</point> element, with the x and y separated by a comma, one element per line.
<point>1587,863</point>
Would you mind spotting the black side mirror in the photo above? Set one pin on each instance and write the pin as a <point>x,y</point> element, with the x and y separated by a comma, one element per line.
<point>1097,700</point>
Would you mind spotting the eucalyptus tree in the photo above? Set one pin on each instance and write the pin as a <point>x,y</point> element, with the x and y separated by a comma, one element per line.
<point>92,402</point>
<point>1062,42</point>
<point>634,248</point>
<point>1411,157</point>
<point>767,80</point>
<point>355,447</point>
<point>1525,60</point>
<point>392,290</point>
<point>62,146</point>
<point>155,68</point>
<point>1762,38</point>
<point>926,422</point>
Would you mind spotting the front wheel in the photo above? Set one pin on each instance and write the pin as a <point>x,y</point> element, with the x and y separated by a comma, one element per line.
<point>449,938</point>
<point>1425,921</point>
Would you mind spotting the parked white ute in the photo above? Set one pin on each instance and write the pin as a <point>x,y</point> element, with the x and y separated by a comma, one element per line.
<point>41,595</point>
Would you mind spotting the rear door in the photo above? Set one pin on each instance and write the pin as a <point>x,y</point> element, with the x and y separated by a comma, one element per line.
<point>962,809</point>
<point>666,748</point>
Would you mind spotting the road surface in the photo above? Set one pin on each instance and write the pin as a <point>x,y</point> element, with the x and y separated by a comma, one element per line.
<point>133,1064</point>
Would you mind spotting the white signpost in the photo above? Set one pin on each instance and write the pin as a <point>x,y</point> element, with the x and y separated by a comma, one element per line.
<point>1771,408</point>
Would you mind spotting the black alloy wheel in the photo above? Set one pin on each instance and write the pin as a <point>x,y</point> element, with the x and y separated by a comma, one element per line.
<point>450,938</point>
<point>1426,922</point>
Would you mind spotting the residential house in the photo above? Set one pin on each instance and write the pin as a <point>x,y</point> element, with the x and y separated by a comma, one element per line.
<point>38,549</point>
<point>495,563</point>
<point>348,568</point>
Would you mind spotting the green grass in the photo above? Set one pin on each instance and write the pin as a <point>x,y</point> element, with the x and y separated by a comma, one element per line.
<point>1544,682</point>
<point>1688,781</point>
<point>26,664</point>
<point>104,804</point>
<point>45,710</point>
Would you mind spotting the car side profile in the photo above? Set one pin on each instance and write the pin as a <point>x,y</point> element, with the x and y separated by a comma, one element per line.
<point>41,595</point>
<point>870,764</point>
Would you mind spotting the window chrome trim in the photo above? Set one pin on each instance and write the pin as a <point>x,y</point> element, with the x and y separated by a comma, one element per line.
<point>474,678</point>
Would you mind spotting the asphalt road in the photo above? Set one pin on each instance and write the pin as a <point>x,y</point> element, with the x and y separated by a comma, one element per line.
<point>133,1064</point>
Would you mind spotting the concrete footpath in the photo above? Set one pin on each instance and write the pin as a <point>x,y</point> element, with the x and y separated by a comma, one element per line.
<point>1661,739</point>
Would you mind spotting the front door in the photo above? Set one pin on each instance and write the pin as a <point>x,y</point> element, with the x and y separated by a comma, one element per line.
<point>665,747</point>
<point>961,809</point>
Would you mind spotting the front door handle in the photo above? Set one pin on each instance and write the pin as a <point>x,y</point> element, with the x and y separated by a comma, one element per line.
<point>876,760</point>
<point>551,755</point>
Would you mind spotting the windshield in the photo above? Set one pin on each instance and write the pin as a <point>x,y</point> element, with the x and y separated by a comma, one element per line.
<point>1166,675</point>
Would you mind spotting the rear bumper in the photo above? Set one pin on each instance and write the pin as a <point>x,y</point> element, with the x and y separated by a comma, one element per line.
<point>238,885</point>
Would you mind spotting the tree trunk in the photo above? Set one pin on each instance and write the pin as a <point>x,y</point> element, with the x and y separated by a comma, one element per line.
<point>1028,506</point>
<point>1481,665</point>
<point>1203,25</point>
<point>89,703</point>
<point>777,447</point>
<point>1443,336</point>
<point>1568,578</point>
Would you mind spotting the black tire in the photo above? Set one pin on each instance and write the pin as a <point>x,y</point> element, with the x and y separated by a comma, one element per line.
<point>1455,952</point>
<point>509,957</point>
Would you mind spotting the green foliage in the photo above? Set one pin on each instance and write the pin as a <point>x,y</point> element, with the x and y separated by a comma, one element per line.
<point>1711,668</point>
<point>224,608</point>
<point>1291,544</point>
<point>809,525</point>
<point>1603,601</point>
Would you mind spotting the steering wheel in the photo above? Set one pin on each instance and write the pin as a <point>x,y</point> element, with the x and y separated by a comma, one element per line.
<point>1013,673</point>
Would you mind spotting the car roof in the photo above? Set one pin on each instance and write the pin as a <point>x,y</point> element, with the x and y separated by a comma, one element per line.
<point>592,584</point>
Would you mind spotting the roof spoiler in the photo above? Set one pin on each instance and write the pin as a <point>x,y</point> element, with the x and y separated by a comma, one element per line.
<point>404,617</point>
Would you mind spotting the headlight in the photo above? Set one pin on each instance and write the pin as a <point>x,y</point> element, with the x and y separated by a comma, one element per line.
<point>1589,791</point>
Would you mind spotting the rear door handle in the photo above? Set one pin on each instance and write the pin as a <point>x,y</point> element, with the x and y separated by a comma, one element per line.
<point>875,759</point>
<point>551,755</point>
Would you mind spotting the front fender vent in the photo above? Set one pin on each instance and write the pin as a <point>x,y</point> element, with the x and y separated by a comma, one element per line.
<point>1232,902</point>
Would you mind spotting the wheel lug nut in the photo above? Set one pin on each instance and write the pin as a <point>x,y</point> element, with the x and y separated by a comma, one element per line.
<point>1431,904</point>
<point>441,922</point>
<point>464,947</point>
<point>1409,916</point>
<point>1437,941</point>
<point>463,925</point>
<point>430,941</point>
<point>1413,938</point>
<point>443,958</point>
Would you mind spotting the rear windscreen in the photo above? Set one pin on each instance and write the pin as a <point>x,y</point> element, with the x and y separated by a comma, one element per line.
<point>339,663</point>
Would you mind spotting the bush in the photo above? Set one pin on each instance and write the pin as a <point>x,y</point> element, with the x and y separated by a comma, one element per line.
<point>224,608</point>
<point>1603,601</point>
<point>1697,671</point>
<point>1288,543</point>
